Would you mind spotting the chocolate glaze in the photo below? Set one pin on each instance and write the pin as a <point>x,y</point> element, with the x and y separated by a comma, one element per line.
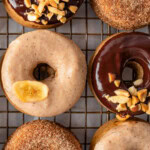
<point>113,58</point>
<point>21,9</point>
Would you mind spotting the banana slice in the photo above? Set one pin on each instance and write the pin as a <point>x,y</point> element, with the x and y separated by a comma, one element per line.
<point>30,91</point>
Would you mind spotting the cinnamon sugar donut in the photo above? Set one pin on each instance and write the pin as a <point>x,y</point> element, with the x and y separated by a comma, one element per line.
<point>123,14</point>
<point>129,135</point>
<point>42,135</point>
<point>51,59</point>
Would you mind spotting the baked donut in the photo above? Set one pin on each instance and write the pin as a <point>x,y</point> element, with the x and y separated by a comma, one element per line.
<point>119,73</point>
<point>42,13</point>
<point>43,73</point>
<point>129,135</point>
<point>123,14</point>
<point>42,135</point>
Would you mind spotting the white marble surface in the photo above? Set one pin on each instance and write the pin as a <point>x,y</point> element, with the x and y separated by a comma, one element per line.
<point>86,116</point>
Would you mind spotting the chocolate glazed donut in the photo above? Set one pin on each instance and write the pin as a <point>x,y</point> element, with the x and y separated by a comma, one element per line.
<point>42,13</point>
<point>114,55</point>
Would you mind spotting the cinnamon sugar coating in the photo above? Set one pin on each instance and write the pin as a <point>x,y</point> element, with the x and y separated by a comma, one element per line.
<point>42,135</point>
<point>123,14</point>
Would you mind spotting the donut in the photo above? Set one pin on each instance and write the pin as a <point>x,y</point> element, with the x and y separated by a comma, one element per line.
<point>43,73</point>
<point>42,13</point>
<point>127,135</point>
<point>42,134</point>
<point>119,73</point>
<point>123,14</point>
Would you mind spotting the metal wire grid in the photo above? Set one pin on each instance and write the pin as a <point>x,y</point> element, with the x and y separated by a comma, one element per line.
<point>87,110</point>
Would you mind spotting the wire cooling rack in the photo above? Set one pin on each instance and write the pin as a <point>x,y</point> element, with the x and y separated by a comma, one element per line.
<point>87,31</point>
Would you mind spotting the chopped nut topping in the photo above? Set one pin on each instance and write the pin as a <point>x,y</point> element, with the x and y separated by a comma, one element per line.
<point>73,9</point>
<point>142,95</point>
<point>148,111</point>
<point>44,22</point>
<point>122,118</point>
<point>41,7</point>
<point>63,19</point>
<point>56,11</point>
<point>135,100</point>
<point>118,99</point>
<point>144,107</point>
<point>111,77</point>
<point>36,11</point>
<point>50,15</point>
<point>65,0</point>
<point>135,108</point>
<point>27,3</point>
<point>121,107</point>
<point>59,17</point>
<point>61,6</point>
<point>57,1</point>
<point>133,91</point>
<point>32,17</point>
<point>52,3</point>
<point>106,96</point>
<point>121,92</point>
<point>33,6</point>
<point>129,103</point>
<point>48,8</point>
<point>117,83</point>
<point>138,82</point>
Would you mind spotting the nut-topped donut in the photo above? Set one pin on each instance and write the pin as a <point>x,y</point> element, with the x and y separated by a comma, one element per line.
<point>119,73</point>
<point>43,73</point>
<point>123,14</point>
<point>42,135</point>
<point>42,13</point>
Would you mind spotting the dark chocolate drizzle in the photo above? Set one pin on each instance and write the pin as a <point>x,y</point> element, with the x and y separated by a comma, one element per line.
<point>21,9</point>
<point>113,57</point>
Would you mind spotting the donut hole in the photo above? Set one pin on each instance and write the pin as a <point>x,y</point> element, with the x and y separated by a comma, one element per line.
<point>131,72</point>
<point>43,71</point>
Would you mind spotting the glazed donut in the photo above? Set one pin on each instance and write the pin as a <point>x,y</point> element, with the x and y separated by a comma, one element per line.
<point>128,135</point>
<point>114,58</point>
<point>42,134</point>
<point>123,14</point>
<point>42,13</point>
<point>44,61</point>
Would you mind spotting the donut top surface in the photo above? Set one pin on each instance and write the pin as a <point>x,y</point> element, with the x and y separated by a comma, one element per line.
<point>42,135</point>
<point>123,14</point>
<point>113,56</point>
<point>131,135</point>
<point>45,12</point>
<point>67,66</point>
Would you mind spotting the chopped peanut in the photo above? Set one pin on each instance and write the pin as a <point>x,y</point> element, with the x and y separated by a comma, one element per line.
<point>27,3</point>
<point>133,91</point>
<point>142,94</point>
<point>49,15</point>
<point>121,107</point>
<point>61,6</point>
<point>135,100</point>
<point>117,83</point>
<point>56,11</point>
<point>144,107</point>
<point>111,77</point>
<point>73,9</point>
<point>138,82</point>
<point>122,92</point>
<point>44,22</point>
<point>122,118</point>
<point>63,20</point>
